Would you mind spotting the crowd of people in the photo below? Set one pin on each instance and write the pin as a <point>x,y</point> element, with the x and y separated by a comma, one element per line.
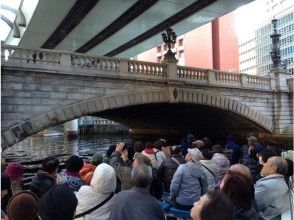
<point>213,182</point>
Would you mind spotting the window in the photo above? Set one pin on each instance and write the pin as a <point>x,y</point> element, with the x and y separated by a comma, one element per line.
<point>158,49</point>
<point>181,42</point>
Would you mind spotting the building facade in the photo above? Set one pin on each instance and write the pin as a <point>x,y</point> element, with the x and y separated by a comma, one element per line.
<point>213,45</point>
<point>255,48</point>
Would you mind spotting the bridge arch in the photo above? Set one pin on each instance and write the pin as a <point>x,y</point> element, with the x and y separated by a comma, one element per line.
<point>37,123</point>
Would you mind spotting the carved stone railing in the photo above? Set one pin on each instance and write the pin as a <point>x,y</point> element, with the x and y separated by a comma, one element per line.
<point>35,56</point>
<point>76,63</point>
<point>258,81</point>
<point>98,63</point>
<point>192,73</point>
<point>147,68</point>
<point>226,77</point>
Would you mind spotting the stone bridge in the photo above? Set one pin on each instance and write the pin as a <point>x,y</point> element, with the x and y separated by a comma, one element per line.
<point>44,88</point>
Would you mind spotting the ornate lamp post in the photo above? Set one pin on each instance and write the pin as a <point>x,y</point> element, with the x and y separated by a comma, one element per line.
<point>275,53</point>
<point>169,38</point>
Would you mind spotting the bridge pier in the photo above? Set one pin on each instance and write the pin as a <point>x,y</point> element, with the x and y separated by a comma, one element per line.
<point>72,128</point>
<point>282,103</point>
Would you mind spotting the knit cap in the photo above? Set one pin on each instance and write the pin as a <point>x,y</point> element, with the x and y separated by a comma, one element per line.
<point>14,170</point>
<point>195,154</point>
<point>22,206</point>
<point>59,203</point>
<point>97,159</point>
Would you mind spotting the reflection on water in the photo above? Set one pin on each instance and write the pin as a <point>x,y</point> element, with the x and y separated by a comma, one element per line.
<point>38,147</point>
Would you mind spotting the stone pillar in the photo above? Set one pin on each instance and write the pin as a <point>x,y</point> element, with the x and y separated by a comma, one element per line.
<point>281,76</point>
<point>124,66</point>
<point>171,69</point>
<point>244,80</point>
<point>65,61</point>
<point>72,128</point>
<point>282,99</point>
<point>211,77</point>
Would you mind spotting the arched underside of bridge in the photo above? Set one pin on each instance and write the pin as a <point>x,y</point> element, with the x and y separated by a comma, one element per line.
<point>173,108</point>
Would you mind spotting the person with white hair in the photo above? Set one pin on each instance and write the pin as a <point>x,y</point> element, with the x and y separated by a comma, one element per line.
<point>95,201</point>
<point>189,182</point>
<point>271,191</point>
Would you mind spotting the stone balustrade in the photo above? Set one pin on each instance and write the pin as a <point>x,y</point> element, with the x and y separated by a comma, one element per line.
<point>192,73</point>
<point>225,77</point>
<point>14,54</point>
<point>147,68</point>
<point>52,60</point>
<point>96,63</point>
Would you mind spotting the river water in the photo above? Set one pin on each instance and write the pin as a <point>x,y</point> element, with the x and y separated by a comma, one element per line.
<point>36,148</point>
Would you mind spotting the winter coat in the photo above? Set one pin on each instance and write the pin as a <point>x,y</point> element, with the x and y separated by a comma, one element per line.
<point>103,183</point>
<point>160,156</point>
<point>167,170</point>
<point>236,152</point>
<point>122,170</point>
<point>136,204</point>
<point>74,182</point>
<point>189,183</point>
<point>42,182</point>
<point>209,171</point>
<point>271,196</point>
<point>241,214</point>
<point>150,153</point>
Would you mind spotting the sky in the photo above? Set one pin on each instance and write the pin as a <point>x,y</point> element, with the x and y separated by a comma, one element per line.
<point>248,16</point>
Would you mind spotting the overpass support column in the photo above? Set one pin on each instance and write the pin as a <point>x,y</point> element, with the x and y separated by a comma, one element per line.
<point>282,103</point>
<point>72,128</point>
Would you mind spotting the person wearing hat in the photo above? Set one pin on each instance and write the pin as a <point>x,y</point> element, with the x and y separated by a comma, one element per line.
<point>189,182</point>
<point>186,143</point>
<point>95,201</point>
<point>87,171</point>
<point>23,206</point>
<point>15,171</point>
<point>235,148</point>
<point>252,145</point>
<point>59,203</point>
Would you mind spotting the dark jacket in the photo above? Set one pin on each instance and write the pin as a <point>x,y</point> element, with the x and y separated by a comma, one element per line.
<point>167,170</point>
<point>249,214</point>
<point>41,183</point>
<point>136,204</point>
<point>122,171</point>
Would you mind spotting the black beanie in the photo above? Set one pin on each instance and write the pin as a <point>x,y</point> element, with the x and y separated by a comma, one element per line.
<point>59,203</point>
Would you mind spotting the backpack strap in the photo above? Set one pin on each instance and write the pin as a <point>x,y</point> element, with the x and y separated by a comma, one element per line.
<point>175,160</point>
<point>208,170</point>
<point>95,207</point>
<point>155,155</point>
